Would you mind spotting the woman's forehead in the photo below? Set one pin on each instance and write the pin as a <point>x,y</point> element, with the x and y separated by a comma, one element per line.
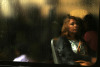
<point>72,20</point>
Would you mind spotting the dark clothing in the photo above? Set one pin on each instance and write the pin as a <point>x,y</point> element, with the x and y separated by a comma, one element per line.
<point>91,37</point>
<point>65,54</point>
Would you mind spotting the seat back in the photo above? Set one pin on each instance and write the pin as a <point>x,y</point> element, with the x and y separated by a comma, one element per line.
<point>53,43</point>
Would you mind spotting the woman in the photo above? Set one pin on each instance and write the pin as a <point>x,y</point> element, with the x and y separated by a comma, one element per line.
<point>70,47</point>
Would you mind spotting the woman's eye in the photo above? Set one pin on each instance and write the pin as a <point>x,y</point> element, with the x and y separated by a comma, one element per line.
<point>72,24</point>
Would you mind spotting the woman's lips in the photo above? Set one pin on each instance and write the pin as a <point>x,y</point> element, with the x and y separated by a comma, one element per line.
<point>75,29</point>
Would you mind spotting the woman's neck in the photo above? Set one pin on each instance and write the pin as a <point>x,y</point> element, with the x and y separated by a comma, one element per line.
<point>71,36</point>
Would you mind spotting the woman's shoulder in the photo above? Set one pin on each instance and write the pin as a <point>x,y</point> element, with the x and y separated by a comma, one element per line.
<point>61,41</point>
<point>62,38</point>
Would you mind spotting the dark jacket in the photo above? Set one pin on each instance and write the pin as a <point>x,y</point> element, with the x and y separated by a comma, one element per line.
<point>65,54</point>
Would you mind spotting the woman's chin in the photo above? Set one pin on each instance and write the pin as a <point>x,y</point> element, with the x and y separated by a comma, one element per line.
<point>75,32</point>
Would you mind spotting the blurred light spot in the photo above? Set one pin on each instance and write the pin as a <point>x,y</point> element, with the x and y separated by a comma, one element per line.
<point>6,8</point>
<point>45,11</point>
<point>79,13</point>
<point>39,2</point>
<point>32,2</point>
<point>42,4</point>
<point>69,1</point>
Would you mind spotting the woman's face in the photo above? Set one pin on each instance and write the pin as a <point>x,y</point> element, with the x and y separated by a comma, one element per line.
<point>73,26</point>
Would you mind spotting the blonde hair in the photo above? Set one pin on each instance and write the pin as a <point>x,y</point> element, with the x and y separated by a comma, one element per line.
<point>64,30</point>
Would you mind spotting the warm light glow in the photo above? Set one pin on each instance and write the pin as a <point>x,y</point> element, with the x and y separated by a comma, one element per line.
<point>39,2</point>
<point>68,1</point>
<point>44,7</point>
<point>73,7</point>
<point>45,11</point>
<point>79,13</point>
<point>6,8</point>
<point>66,6</point>
<point>32,2</point>
<point>24,2</point>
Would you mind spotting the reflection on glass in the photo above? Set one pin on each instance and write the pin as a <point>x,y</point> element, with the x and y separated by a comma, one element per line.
<point>33,23</point>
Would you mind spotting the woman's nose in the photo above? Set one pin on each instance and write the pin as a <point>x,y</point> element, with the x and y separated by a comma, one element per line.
<point>76,26</point>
